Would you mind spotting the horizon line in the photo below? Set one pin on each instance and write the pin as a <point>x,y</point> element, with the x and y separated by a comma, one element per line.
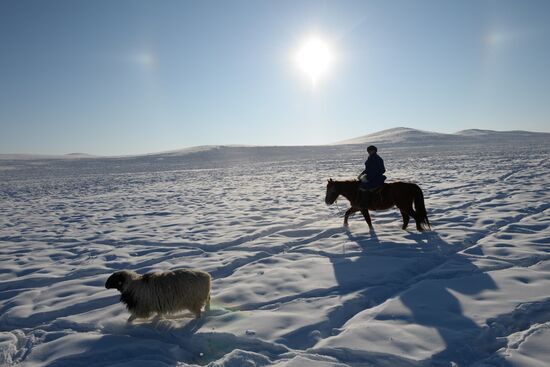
<point>82,155</point>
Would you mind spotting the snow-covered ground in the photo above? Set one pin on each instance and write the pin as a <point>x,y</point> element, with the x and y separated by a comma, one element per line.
<point>409,136</point>
<point>292,286</point>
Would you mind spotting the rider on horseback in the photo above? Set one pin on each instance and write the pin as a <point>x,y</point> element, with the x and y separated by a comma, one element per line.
<point>372,177</point>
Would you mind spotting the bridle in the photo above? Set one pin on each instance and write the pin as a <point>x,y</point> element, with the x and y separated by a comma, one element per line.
<point>332,192</point>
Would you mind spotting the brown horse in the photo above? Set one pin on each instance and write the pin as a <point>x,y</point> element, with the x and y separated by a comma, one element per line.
<point>400,194</point>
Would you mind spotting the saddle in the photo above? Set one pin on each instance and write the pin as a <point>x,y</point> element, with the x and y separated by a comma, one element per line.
<point>372,194</point>
<point>376,190</point>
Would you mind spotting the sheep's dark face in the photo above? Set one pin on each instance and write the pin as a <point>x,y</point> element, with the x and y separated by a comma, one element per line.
<point>117,280</point>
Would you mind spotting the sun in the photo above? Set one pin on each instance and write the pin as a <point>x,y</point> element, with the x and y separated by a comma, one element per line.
<point>314,58</point>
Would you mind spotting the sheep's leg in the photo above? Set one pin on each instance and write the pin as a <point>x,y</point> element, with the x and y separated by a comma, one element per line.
<point>207,306</point>
<point>196,309</point>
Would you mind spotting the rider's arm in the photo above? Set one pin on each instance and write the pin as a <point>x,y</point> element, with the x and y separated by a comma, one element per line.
<point>363,173</point>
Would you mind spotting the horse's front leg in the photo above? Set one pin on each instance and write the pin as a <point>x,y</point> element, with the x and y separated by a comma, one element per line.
<point>366,214</point>
<point>349,212</point>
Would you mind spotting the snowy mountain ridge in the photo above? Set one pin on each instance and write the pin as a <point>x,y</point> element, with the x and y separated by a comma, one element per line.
<point>409,135</point>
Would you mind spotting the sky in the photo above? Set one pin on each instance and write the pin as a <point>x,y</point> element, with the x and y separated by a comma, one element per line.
<point>129,76</point>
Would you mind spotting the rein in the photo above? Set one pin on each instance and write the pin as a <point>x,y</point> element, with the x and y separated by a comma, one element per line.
<point>340,213</point>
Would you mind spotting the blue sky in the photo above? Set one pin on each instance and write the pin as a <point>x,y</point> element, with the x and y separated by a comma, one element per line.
<point>128,77</point>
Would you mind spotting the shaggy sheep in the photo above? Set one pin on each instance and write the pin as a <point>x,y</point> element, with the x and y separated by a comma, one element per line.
<point>162,293</point>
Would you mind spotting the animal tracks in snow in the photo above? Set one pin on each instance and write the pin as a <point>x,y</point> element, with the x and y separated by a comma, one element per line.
<point>290,284</point>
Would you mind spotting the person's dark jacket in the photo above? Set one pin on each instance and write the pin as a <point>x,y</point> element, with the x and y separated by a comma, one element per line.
<point>374,169</point>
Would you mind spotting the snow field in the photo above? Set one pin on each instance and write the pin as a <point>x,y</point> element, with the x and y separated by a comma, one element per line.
<point>291,286</point>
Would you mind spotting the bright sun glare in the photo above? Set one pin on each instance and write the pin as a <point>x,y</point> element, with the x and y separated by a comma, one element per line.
<point>314,58</point>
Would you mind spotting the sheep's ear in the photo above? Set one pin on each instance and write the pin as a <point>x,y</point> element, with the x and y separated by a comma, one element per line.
<point>330,180</point>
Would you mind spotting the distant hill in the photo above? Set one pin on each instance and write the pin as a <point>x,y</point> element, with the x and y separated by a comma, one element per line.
<point>396,136</point>
<point>47,156</point>
<point>79,155</point>
<point>493,133</point>
<point>406,135</point>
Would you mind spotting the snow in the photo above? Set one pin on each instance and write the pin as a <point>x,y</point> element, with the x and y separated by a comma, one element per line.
<point>409,136</point>
<point>291,285</point>
<point>396,135</point>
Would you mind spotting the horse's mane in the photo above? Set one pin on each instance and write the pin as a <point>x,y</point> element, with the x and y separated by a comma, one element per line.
<point>346,181</point>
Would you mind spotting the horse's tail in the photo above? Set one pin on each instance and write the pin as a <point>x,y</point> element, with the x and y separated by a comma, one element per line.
<point>421,208</point>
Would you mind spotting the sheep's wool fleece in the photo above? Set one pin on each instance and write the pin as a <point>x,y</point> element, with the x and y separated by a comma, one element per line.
<point>166,292</point>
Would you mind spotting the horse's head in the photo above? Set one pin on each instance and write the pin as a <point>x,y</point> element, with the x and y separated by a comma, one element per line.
<point>332,192</point>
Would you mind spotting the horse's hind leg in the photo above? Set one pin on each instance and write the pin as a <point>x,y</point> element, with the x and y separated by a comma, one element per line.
<point>406,218</point>
<point>418,226</point>
<point>366,214</point>
<point>417,219</point>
